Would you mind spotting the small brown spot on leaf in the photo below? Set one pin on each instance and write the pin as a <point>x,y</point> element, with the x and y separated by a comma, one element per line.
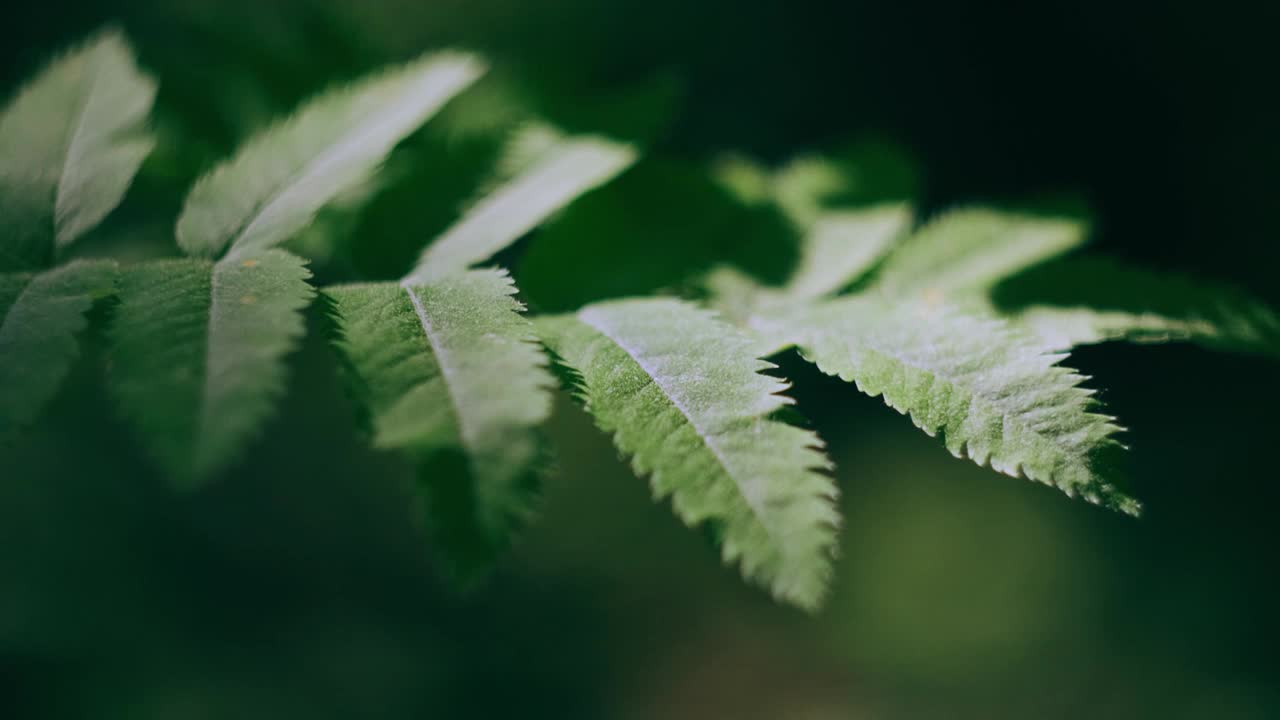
<point>248,299</point>
<point>249,263</point>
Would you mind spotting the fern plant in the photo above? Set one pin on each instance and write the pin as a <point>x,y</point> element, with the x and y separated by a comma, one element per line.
<point>963,322</point>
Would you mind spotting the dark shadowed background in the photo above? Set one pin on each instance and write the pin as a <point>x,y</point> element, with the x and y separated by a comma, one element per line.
<point>301,586</point>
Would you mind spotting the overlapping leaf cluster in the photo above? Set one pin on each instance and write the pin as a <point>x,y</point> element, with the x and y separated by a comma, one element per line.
<point>962,323</point>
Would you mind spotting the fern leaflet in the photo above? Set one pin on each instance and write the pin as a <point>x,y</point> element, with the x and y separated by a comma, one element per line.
<point>453,376</point>
<point>1090,300</point>
<point>40,317</point>
<point>70,143</point>
<point>280,179</point>
<point>991,392</point>
<point>683,396</point>
<point>548,171</point>
<point>840,248</point>
<point>198,353</point>
<point>974,248</point>
<point>197,403</point>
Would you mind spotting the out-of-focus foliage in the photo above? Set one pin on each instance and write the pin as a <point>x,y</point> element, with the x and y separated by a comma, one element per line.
<point>197,356</point>
<point>443,361</point>
<point>1081,301</point>
<point>71,142</point>
<point>43,315</point>
<point>956,595</point>
<point>198,363</point>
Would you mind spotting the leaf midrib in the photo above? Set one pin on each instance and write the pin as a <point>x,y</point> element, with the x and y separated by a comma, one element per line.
<point>703,435</point>
<point>954,381</point>
<point>314,167</point>
<point>87,87</point>
<point>429,331</point>
<point>206,394</point>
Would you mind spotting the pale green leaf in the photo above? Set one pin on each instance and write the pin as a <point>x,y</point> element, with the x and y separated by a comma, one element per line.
<point>1091,300</point>
<point>70,144</point>
<point>683,396</point>
<point>453,376</point>
<point>40,317</point>
<point>867,172</point>
<point>804,188</point>
<point>974,248</point>
<point>839,249</point>
<point>280,179</point>
<point>991,393</point>
<point>198,357</point>
<point>842,246</point>
<point>747,180</point>
<point>548,171</point>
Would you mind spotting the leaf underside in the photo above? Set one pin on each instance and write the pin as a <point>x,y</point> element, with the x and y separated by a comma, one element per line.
<point>200,343</point>
<point>683,396</point>
<point>40,318</point>
<point>277,183</point>
<point>70,144</point>
<point>843,246</point>
<point>452,375</point>
<point>989,391</point>
<point>546,172</point>
<point>973,248</point>
<point>199,352</point>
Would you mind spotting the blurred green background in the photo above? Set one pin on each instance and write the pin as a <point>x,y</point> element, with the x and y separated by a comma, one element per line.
<point>301,585</point>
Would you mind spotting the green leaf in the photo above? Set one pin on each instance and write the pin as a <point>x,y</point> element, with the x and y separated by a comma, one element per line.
<point>547,171</point>
<point>992,393</point>
<point>972,249</point>
<point>198,353</point>
<point>40,317</point>
<point>1080,301</point>
<point>867,172</point>
<point>804,187</point>
<point>842,246</point>
<point>70,144</point>
<point>683,396</point>
<point>801,189</point>
<point>453,376</point>
<point>839,249</point>
<point>279,180</point>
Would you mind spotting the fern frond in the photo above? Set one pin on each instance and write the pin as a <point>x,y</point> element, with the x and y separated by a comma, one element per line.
<point>280,179</point>
<point>547,171</point>
<point>1081,301</point>
<point>683,396</point>
<point>453,376</point>
<point>205,341</point>
<point>198,353</point>
<point>992,393</point>
<point>972,249</point>
<point>70,144</point>
<point>40,317</point>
